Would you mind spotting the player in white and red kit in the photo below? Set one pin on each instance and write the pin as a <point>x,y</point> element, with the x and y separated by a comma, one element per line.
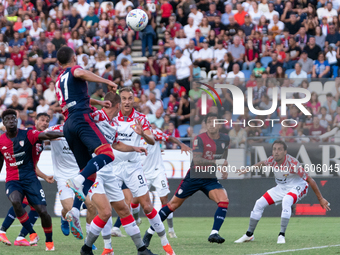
<point>154,171</point>
<point>292,185</point>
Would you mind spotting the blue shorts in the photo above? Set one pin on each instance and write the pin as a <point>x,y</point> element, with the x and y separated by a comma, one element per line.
<point>124,186</point>
<point>32,189</point>
<point>190,186</point>
<point>83,137</point>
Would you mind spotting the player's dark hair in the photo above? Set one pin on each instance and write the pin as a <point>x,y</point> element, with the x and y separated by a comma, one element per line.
<point>210,114</point>
<point>126,89</point>
<point>64,55</point>
<point>114,98</point>
<point>8,112</point>
<point>280,142</point>
<point>43,114</point>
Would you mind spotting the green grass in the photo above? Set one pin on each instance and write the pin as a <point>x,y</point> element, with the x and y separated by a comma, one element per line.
<point>193,233</point>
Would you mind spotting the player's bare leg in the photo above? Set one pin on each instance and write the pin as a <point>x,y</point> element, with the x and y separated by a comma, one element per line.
<point>171,231</point>
<point>16,199</point>
<point>155,221</point>
<point>67,206</point>
<point>220,197</point>
<point>115,231</point>
<point>174,203</point>
<point>46,223</point>
<point>255,217</point>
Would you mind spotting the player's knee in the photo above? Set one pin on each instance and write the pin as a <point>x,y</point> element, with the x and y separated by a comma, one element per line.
<point>259,205</point>
<point>42,211</point>
<point>105,214</point>
<point>147,208</point>
<point>17,205</point>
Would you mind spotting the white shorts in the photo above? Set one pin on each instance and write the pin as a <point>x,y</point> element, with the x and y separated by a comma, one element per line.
<point>277,193</point>
<point>160,182</point>
<point>64,191</point>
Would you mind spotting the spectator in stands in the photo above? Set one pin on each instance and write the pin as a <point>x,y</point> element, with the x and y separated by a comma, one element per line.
<point>276,27</point>
<point>191,51</point>
<point>316,130</point>
<point>173,26</point>
<point>151,71</point>
<point>42,42</point>
<point>172,107</point>
<point>82,8</point>
<point>7,92</point>
<point>327,11</point>
<point>272,66</point>
<point>258,91</point>
<point>181,40</point>
<point>205,56</point>
<point>314,103</point>
<point>24,92</point>
<point>225,16</point>
<point>171,51</point>
<point>40,67</point>
<point>169,81</point>
<point>121,8</point>
<point>235,73</point>
<point>321,68</point>
<point>306,63</point>
<point>330,104</point>
<point>126,53</point>
<point>237,51</point>
<point>287,132</point>
<point>34,54</point>
<point>251,56</point>
<point>58,41</point>
<point>237,136</point>
<point>42,107</point>
<point>196,15</point>
<point>179,90</point>
<point>98,95</point>
<point>91,20</point>
<point>125,70</point>
<point>154,104</point>
<point>173,132</point>
<point>325,118</point>
<point>183,112</point>
<point>333,37</point>
<point>74,19</point>
<point>17,55</point>
<point>35,30</point>
<point>152,88</point>
<point>240,14</point>
<point>205,27</point>
<point>190,28</point>
<point>320,38</point>
<point>157,118</point>
<point>312,49</point>
<point>49,94</point>
<point>184,70</point>
<point>15,104</point>
<point>248,27</point>
<point>298,75</point>
<point>233,26</point>
<point>50,57</point>
<point>18,78</point>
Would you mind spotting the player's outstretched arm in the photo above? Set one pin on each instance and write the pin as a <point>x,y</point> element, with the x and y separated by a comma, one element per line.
<point>50,135</point>
<point>323,202</point>
<point>89,76</point>
<point>104,103</point>
<point>47,178</point>
<point>128,148</point>
<point>184,148</point>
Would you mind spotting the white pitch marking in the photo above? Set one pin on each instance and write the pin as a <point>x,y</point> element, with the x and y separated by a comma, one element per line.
<point>302,249</point>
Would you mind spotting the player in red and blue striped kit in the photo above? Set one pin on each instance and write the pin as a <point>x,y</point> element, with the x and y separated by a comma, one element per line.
<point>18,149</point>
<point>208,148</point>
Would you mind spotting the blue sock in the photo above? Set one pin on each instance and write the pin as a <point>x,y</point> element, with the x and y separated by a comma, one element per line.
<point>87,185</point>
<point>118,223</point>
<point>8,221</point>
<point>163,213</point>
<point>33,215</point>
<point>220,214</point>
<point>96,164</point>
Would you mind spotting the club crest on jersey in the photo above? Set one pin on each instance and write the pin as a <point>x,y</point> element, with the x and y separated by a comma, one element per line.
<point>133,126</point>
<point>22,143</point>
<point>180,191</point>
<point>223,145</point>
<point>95,185</point>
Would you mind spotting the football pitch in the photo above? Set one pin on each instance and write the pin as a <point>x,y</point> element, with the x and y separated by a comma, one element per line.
<point>307,236</point>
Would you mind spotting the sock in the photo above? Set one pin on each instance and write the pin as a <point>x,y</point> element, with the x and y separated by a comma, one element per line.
<point>95,164</point>
<point>48,234</point>
<point>107,228</point>
<point>284,224</point>
<point>286,213</point>
<point>25,221</point>
<point>135,210</point>
<point>33,216</point>
<point>133,231</point>
<point>157,224</point>
<point>219,217</point>
<point>19,238</point>
<point>107,241</point>
<point>170,222</point>
<point>282,234</point>
<point>8,221</point>
<point>163,214</point>
<point>88,225</point>
<point>118,223</point>
<point>257,212</point>
<point>252,226</point>
<point>96,226</point>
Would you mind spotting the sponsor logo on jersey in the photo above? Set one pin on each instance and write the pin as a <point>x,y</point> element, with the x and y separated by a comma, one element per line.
<point>208,145</point>
<point>125,135</point>
<point>17,163</point>
<point>4,148</point>
<point>19,154</point>
<point>7,155</point>
<point>22,143</point>
<point>7,191</point>
<point>223,145</point>
<point>180,191</point>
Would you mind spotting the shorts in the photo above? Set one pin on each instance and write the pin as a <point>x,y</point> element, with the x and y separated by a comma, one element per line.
<point>277,193</point>
<point>160,183</point>
<point>190,186</point>
<point>64,191</point>
<point>124,186</point>
<point>83,136</point>
<point>32,189</point>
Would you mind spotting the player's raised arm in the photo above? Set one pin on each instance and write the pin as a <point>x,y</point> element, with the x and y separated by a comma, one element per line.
<point>89,76</point>
<point>50,135</point>
<point>323,202</point>
<point>146,134</point>
<point>184,148</point>
<point>104,103</point>
<point>128,148</point>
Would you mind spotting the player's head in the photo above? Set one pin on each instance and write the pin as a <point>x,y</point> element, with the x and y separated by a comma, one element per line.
<point>126,95</point>
<point>66,56</point>
<point>115,100</point>
<point>210,124</point>
<point>9,118</point>
<point>42,121</point>
<point>279,150</point>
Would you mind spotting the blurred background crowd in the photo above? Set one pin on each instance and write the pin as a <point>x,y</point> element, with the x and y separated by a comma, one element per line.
<point>250,44</point>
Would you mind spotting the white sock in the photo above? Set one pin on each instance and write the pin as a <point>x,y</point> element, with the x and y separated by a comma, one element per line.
<point>213,232</point>
<point>107,229</point>
<point>171,230</point>
<point>131,229</point>
<point>79,178</point>
<point>150,231</point>
<point>2,232</point>
<point>107,243</point>
<point>88,225</point>
<point>19,238</point>
<point>157,224</point>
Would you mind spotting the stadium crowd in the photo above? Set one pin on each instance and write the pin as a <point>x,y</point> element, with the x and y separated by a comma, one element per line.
<point>258,45</point>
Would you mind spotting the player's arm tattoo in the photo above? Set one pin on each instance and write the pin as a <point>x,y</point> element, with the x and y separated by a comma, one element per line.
<point>50,135</point>
<point>1,161</point>
<point>200,161</point>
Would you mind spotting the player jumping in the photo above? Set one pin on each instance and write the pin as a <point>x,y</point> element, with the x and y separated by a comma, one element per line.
<point>41,123</point>
<point>208,147</point>
<point>154,171</point>
<point>81,132</point>
<point>292,185</point>
<point>17,148</point>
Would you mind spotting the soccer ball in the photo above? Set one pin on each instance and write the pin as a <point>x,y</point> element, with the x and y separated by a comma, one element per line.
<point>137,19</point>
